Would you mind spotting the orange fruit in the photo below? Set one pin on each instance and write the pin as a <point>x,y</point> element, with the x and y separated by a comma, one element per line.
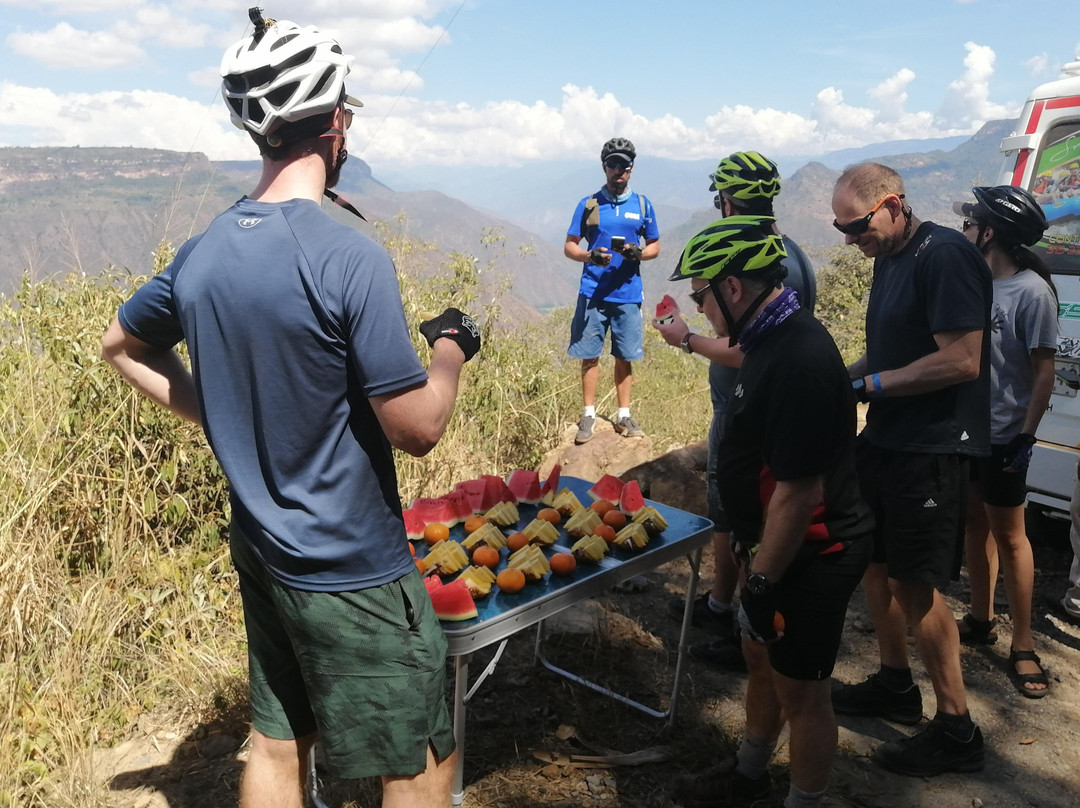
<point>605,532</point>
<point>419,565</point>
<point>484,556</point>
<point>510,581</point>
<point>412,549</point>
<point>515,541</point>
<point>563,563</point>
<point>436,532</point>
<point>474,523</point>
<point>601,506</point>
<point>778,622</point>
<point>617,519</point>
<point>549,515</point>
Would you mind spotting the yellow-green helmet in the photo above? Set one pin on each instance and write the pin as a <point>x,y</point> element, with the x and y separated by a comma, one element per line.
<point>735,245</point>
<point>746,176</point>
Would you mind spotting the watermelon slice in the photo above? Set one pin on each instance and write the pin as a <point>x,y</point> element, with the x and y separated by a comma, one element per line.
<point>453,602</point>
<point>497,490</point>
<point>630,500</point>
<point>607,487</point>
<point>525,486</point>
<point>434,509</point>
<point>552,483</point>
<point>474,491</point>
<point>432,582</point>
<point>666,310</point>
<point>460,504</point>
<point>414,525</point>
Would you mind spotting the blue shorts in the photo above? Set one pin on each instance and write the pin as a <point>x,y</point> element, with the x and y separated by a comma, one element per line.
<point>591,322</point>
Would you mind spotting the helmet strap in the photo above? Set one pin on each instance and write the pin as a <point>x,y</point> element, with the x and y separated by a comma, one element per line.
<point>735,327</point>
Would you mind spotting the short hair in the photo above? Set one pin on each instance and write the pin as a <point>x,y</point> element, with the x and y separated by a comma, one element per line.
<point>871,181</point>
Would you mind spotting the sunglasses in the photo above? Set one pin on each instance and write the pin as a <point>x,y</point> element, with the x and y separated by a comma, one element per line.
<point>856,227</point>
<point>698,295</point>
<point>968,223</point>
<point>348,117</point>
<point>618,165</point>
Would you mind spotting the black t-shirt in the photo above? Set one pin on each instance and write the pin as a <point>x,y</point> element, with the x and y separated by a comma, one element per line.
<point>792,415</point>
<point>939,282</point>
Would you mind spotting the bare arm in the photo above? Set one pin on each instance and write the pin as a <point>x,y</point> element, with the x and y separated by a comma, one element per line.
<point>787,518</point>
<point>157,373</point>
<point>651,249</point>
<point>857,368</point>
<point>414,419</point>
<point>1042,367</point>
<point>956,360</point>
<point>716,350</point>
<point>573,250</point>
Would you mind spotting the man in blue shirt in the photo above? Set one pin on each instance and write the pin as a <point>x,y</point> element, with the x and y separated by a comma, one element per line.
<point>303,378</point>
<point>612,221</point>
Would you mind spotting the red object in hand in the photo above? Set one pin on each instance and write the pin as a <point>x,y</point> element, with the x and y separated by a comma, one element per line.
<point>666,310</point>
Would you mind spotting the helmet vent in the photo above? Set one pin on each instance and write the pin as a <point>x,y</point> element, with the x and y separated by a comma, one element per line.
<point>327,75</point>
<point>285,40</point>
<point>282,94</point>
<point>297,59</point>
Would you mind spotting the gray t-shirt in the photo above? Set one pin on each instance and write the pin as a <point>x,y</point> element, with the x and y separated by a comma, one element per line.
<point>1024,317</point>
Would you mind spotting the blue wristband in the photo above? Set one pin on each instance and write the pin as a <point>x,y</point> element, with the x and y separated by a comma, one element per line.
<point>875,379</point>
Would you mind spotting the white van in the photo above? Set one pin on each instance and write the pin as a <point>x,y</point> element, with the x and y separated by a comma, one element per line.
<point>1043,155</point>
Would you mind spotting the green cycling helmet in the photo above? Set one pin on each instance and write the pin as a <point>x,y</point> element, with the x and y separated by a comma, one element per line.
<point>745,176</point>
<point>737,244</point>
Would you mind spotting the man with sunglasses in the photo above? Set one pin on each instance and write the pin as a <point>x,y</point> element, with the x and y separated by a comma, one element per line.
<point>745,183</point>
<point>925,376</point>
<point>303,378</point>
<point>613,222</point>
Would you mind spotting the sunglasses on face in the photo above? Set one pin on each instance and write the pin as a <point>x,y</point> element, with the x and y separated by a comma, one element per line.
<point>698,295</point>
<point>856,227</point>
<point>968,223</point>
<point>618,165</point>
<point>348,117</point>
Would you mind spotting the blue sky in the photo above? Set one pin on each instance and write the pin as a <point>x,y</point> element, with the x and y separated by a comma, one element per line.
<point>505,82</point>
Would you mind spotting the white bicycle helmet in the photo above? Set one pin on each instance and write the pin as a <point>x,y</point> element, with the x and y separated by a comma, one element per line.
<point>282,73</point>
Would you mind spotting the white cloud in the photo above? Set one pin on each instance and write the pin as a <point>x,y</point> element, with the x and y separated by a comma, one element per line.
<point>967,102</point>
<point>892,96</point>
<point>1039,66</point>
<point>67,48</point>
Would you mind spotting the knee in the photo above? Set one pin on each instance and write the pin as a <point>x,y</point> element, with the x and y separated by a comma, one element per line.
<point>281,752</point>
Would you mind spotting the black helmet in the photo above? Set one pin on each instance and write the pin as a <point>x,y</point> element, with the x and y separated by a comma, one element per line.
<point>618,147</point>
<point>1012,211</point>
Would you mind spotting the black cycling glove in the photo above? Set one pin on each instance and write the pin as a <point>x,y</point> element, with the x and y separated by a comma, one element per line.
<point>632,252</point>
<point>1018,452</point>
<point>760,610</point>
<point>456,325</point>
<point>599,257</point>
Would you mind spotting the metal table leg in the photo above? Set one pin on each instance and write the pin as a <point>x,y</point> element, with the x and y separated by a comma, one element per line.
<point>461,683</point>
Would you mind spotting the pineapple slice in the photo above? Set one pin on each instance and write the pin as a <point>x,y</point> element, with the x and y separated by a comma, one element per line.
<point>582,523</point>
<point>590,548</point>
<point>632,537</point>
<point>479,581</point>
<point>530,560</point>
<point>446,558</point>
<point>540,531</point>
<point>566,503</point>
<point>504,514</point>
<point>650,518</point>
<point>485,534</point>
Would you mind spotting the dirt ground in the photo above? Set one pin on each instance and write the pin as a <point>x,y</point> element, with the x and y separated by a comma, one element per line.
<point>627,641</point>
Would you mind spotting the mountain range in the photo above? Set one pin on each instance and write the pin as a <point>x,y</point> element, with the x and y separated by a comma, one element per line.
<point>64,209</point>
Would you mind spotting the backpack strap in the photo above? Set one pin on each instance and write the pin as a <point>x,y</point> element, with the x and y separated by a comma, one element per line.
<point>590,219</point>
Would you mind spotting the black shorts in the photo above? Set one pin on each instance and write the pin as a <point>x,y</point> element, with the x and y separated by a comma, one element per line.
<point>813,597</point>
<point>996,486</point>
<point>919,503</point>
<point>712,488</point>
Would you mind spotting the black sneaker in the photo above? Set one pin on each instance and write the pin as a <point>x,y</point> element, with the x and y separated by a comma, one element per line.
<point>721,623</point>
<point>725,654</point>
<point>932,750</point>
<point>720,786</point>
<point>872,698</point>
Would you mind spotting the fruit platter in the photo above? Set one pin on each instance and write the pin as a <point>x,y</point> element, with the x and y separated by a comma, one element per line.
<point>499,554</point>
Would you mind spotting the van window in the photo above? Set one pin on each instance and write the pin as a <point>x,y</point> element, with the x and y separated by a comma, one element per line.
<point>1056,186</point>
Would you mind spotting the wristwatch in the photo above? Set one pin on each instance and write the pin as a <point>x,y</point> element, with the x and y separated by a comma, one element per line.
<point>859,386</point>
<point>758,583</point>
<point>686,342</point>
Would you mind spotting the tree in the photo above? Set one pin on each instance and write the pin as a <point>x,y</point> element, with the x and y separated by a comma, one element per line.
<point>843,291</point>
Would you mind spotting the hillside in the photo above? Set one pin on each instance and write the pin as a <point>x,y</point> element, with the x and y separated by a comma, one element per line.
<point>68,209</point>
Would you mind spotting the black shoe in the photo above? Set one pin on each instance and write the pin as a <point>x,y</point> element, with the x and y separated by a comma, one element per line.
<point>702,616</point>
<point>725,654</point>
<point>977,632</point>
<point>722,786</point>
<point>872,698</point>
<point>932,750</point>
